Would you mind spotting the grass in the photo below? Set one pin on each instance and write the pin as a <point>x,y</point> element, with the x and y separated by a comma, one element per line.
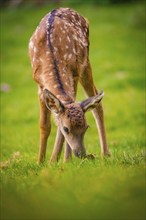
<point>111,188</point>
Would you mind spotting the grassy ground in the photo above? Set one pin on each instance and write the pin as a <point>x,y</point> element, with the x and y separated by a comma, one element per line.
<point>102,189</point>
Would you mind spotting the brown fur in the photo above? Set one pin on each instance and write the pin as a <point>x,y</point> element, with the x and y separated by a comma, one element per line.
<point>59,53</point>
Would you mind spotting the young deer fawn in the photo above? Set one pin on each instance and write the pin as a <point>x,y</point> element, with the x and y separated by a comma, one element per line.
<point>59,53</point>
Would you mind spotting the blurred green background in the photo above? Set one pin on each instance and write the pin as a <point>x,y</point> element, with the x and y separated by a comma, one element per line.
<point>110,188</point>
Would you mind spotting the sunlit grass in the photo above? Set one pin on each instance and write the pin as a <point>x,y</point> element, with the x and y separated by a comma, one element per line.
<point>111,188</point>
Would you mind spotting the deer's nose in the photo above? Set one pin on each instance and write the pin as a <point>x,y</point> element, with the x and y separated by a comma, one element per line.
<point>79,153</point>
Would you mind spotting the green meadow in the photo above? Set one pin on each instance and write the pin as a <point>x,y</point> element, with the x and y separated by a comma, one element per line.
<point>103,189</point>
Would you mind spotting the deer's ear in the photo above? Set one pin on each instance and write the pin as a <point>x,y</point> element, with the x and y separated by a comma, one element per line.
<point>91,102</point>
<point>52,102</point>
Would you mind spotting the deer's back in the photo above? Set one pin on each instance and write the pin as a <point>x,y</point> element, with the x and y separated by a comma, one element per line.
<point>59,49</point>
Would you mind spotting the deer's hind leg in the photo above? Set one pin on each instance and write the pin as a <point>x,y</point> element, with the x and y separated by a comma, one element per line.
<point>45,128</point>
<point>86,80</point>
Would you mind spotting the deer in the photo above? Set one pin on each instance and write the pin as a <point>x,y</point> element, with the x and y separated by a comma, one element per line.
<point>59,55</point>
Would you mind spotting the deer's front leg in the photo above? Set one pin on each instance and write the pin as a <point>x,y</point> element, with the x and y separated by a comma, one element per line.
<point>87,83</point>
<point>45,128</point>
<point>67,153</point>
<point>57,147</point>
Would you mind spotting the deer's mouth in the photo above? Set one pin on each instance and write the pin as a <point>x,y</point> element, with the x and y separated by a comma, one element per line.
<point>80,153</point>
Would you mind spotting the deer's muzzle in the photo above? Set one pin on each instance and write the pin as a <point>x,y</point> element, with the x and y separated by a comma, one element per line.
<point>80,153</point>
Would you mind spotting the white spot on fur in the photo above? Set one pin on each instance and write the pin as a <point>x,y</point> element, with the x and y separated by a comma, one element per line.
<point>58,96</point>
<point>36,32</point>
<point>65,56</point>
<point>75,37</point>
<point>86,30</point>
<point>74,51</point>
<point>68,38</point>
<point>51,73</point>
<point>35,49</point>
<point>33,59</point>
<point>57,22</point>
<point>50,65</point>
<point>55,86</point>
<point>41,60</point>
<point>86,23</point>
<point>55,48</point>
<point>70,56</point>
<point>64,69</point>
<point>47,52</point>
<point>79,23</point>
<point>73,18</point>
<point>31,44</point>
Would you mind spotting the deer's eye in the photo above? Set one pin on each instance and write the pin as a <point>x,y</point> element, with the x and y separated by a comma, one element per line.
<point>66,130</point>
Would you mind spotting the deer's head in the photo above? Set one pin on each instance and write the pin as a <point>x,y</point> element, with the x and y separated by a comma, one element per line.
<point>70,118</point>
